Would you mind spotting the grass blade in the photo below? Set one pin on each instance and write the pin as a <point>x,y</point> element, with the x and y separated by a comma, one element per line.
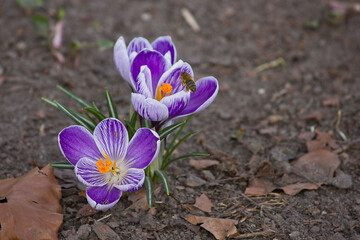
<point>96,113</point>
<point>171,150</point>
<point>131,130</point>
<point>149,187</point>
<point>77,117</point>
<point>195,154</point>
<point>164,180</point>
<point>147,123</point>
<point>77,99</point>
<point>62,165</point>
<point>133,119</point>
<point>111,106</point>
<point>166,131</point>
<point>179,132</point>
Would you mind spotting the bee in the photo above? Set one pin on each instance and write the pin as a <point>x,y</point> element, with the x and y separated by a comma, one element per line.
<point>188,81</point>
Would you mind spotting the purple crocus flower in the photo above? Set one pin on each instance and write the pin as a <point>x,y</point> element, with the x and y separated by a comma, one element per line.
<point>123,56</point>
<point>160,93</point>
<point>106,162</point>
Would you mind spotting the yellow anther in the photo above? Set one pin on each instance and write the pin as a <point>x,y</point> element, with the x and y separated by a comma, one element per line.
<point>163,91</point>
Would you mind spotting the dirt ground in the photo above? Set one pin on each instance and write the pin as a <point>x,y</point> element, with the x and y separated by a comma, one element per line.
<point>272,108</point>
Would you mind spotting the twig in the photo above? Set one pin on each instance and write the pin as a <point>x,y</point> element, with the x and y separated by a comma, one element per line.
<point>346,147</point>
<point>104,217</point>
<point>189,18</point>
<point>265,233</point>
<point>277,62</point>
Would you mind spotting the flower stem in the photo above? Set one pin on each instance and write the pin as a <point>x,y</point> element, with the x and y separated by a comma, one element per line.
<point>156,164</point>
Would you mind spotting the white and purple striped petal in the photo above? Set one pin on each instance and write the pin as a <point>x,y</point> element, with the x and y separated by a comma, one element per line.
<point>149,108</point>
<point>122,62</point>
<point>154,60</point>
<point>76,142</point>
<point>104,197</point>
<point>136,45</point>
<point>207,90</point>
<point>143,149</point>
<point>88,173</point>
<point>165,46</point>
<point>172,76</point>
<point>143,82</point>
<point>176,103</point>
<point>112,138</point>
<point>132,181</point>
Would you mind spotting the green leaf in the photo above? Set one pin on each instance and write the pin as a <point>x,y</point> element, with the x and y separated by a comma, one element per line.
<point>166,131</point>
<point>89,117</point>
<point>111,106</point>
<point>131,130</point>
<point>63,165</point>
<point>28,4</point>
<point>77,99</point>
<point>164,180</point>
<point>49,102</point>
<point>149,187</point>
<point>96,113</point>
<point>195,154</point>
<point>95,107</point>
<point>171,150</point>
<point>133,119</point>
<point>147,123</point>
<point>77,117</point>
<point>104,44</point>
<point>41,25</point>
<point>179,132</point>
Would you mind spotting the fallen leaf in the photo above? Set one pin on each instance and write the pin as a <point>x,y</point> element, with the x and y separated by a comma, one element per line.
<point>203,203</point>
<point>259,186</point>
<point>219,227</point>
<point>322,141</point>
<point>30,207</point>
<point>275,118</point>
<point>202,163</point>
<point>294,189</point>
<point>139,200</point>
<point>312,116</point>
<point>318,165</point>
<point>331,102</point>
<point>103,231</point>
<point>85,211</point>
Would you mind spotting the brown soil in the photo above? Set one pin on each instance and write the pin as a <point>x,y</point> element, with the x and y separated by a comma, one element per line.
<point>234,38</point>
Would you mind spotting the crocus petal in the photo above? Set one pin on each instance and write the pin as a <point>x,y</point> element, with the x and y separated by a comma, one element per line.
<point>143,148</point>
<point>149,108</point>
<point>104,197</point>
<point>132,181</point>
<point>176,103</point>
<point>143,82</point>
<point>76,142</point>
<point>172,76</point>
<point>154,60</point>
<point>112,138</point>
<point>207,89</point>
<point>138,44</point>
<point>121,59</point>
<point>164,45</point>
<point>88,173</point>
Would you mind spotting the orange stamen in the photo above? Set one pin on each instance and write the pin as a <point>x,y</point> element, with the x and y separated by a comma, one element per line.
<point>108,166</point>
<point>163,91</point>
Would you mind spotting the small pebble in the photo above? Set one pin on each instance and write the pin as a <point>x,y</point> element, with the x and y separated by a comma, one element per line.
<point>294,234</point>
<point>315,229</point>
<point>83,232</point>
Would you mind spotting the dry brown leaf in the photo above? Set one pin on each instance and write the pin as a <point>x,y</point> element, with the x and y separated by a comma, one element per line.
<point>259,186</point>
<point>219,227</point>
<point>316,115</point>
<point>31,209</point>
<point>139,200</point>
<point>85,211</point>
<point>203,203</point>
<point>322,141</point>
<point>318,165</point>
<point>294,189</point>
<point>202,163</point>
<point>331,102</point>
